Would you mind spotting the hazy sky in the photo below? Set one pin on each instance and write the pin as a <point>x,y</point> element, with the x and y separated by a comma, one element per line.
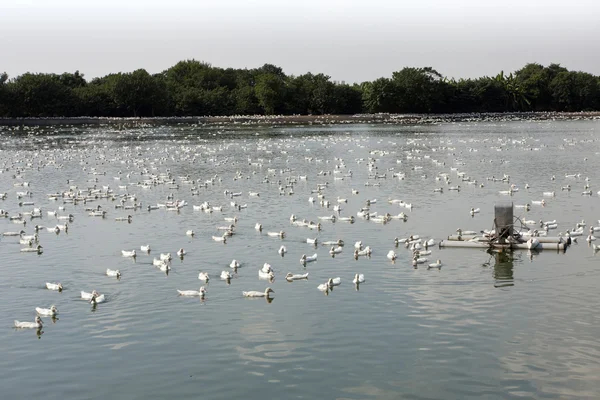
<point>349,40</point>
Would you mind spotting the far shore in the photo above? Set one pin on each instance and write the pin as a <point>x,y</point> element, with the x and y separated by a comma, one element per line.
<point>276,120</point>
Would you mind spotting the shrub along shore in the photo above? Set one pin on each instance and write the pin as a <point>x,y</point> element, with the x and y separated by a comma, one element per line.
<point>280,120</point>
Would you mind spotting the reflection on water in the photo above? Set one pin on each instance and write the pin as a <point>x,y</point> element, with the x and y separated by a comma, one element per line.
<point>503,268</point>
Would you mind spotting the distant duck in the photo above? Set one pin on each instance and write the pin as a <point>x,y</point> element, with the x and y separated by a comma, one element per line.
<point>165,256</point>
<point>266,268</point>
<point>474,211</point>
<point>266,274</point>
<point>88,295</point>
<point>113,272</point>
<point>429,243</point>
<point>234,264</point>
<point>437,264</point>
<point>225,275</point>
<point>549,194</point>
<point>258,227</point>
<point>181,252</point>
<point>200,292</point>
<point>48,312</point>
<point>266,293</point>
<point>590,238</point>
<point>358,278</point>
<point>334,282</point>
<point>358,245</point>
<point>38,249</point>
<point>311,241</point>
<point>293,277</point>
<point>190,233</point>
<point>335,250</point>
<point>30,325</point>
<point>364,252</point>
<point>282,250</point>
<point>222,239</point>
<point>126,253</point>
<point>97,299</point>
<point>304,259</point>
<point>203,276</point>
<point>280,234</point>
<point>54,286</point>
<point>391,255</point>
<point>127,218</point>
<point>145,249</point>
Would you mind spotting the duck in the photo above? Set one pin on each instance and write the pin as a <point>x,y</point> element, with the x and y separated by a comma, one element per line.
<point>13,233</point>
<point>37,324</point>
<point>335,250</point>
<point>266,274</point>
<point>203,276</point>
<point>164,266</point>
<point>225,275</point>
<point>391,255</point>
<point>590,238</point>
<point>48,312</point>
<point>311,241</point>
<point>113,272</point>
<point>127,218</point>
<point>293,277</point>
<point>220,238</point>
<point>437,264</point>
<point>334,282</point>
<point>430,242</point>
<point>258,227</point>
<point>38,249</point>
<point>358,245</point>
<point>54,286</point>
<point>280,234</point>
<point>304,259</point>
<point>97,299</point>
<point>324,287</point>
<point>88,295</point>
<point>474,211</point>
<point>234,264</point>
<point>266,293</point>
<point>126,253</point>
<point>282,250</point>
<point>181,252</point>
<point>365,252</point>
<point>200,292</point>
<point>190,232</point>
<point>145,248</point>
<point>358,278</point>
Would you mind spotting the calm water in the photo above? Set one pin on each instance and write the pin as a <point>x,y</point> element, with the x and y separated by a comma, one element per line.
<point>484,326</point>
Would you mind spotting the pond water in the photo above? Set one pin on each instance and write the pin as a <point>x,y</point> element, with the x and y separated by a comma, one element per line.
<point>520,325</point>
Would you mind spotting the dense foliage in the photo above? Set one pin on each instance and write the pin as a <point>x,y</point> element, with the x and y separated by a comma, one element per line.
<point>193,88</point>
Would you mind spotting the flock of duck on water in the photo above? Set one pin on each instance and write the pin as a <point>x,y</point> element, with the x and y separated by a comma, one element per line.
<point>78,199</point>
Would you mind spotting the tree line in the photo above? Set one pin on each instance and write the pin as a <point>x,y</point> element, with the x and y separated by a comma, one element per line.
<point>194,88</point>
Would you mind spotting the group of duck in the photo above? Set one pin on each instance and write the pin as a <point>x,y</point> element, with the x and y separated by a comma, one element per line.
<point>143,175</point>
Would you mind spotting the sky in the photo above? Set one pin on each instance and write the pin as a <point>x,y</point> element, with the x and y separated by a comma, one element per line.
<point>349,40</point>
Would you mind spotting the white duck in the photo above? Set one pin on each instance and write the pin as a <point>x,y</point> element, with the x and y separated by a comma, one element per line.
<point>38,249</point>
<point>203,276</point>
<point>258,227</point>
<point>280,234</point>
<point>304,259</point>
<point>54,286</point>
<point>97,299</point>
<point>127,253</point>
<point>437,264</point>
<point>265,275</point>
<point>200,292</point>
<point>234,264</point>
<point>334,281</point>
<point>165,257</point>
<point>282,250</point>
<point>88,295</point>
<point>358,278</point>
<point>225,275</point>
<point>181,252</point>
<point>145,248</point>
<point>48,312</point>
<point>113,272</point>
<point>266,293</point>
<point>391,255</point>
<point>30,325</point>
<point>323,287</point>
<point>190,233</point>
<point>364,252</point>
<point>335,250</point>
<point>293,277</point>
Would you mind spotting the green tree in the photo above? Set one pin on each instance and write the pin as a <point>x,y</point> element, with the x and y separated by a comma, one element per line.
<point>269,92</point>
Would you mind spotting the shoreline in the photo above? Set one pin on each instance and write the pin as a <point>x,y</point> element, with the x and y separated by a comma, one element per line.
<point>276,120</point>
